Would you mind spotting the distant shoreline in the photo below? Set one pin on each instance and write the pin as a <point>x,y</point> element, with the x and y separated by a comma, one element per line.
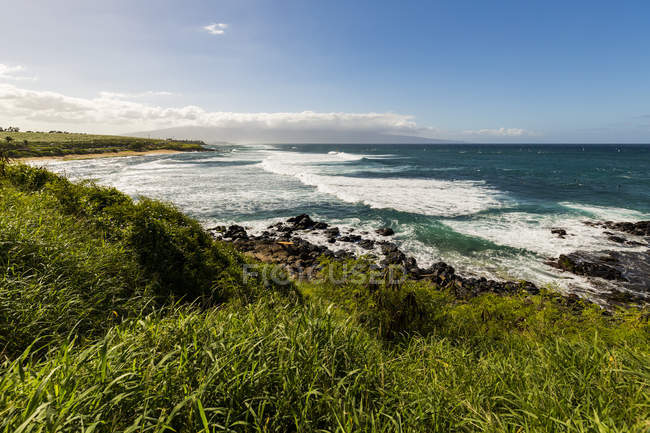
<point>99,155</point>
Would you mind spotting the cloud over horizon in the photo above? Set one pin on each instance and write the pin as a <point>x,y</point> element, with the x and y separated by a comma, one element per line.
<point>123,113</point>
<point>498,132</point>
<point>116,112</point>
<point>120,95</point>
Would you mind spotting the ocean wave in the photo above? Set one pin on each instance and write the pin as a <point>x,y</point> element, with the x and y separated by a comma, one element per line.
<point>607,212</point>
<point>421,196</point>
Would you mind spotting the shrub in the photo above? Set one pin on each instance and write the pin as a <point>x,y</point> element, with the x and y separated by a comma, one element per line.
<point>77,257</point>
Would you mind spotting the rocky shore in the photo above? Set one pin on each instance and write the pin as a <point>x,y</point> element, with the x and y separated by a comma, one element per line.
<point>629,268</point>
<point>284,244</point>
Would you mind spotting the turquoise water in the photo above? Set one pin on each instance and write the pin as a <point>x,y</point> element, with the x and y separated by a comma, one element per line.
<point>486,209</point>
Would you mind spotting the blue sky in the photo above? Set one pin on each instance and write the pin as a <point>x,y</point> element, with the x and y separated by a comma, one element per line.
<point>469,70</point>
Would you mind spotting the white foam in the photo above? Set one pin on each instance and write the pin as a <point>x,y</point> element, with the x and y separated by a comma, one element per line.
<point>608,213</point>
<point>351,156</point>
<point>422,196</point>
<point>532,232</point>
<point>346,156</point>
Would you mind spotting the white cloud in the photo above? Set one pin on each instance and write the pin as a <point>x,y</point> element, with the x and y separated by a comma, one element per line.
<point>498,132</point>
<point>14,73</point>
<point>148,93</point>
<point>216,28</point>
<point>114,113</point>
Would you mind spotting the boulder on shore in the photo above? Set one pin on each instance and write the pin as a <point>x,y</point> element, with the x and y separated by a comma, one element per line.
<point>588,265</point>
<point>561,233</point>
<point>302,222</point>
<point>385,231</point>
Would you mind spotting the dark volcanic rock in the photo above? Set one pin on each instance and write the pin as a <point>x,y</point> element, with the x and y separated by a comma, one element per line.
<point>332,232</point>
<point>300,258</point>
<point>350,238</point>
<point>560,232</point>
<point>385,231</point>
<point>387,247</point>
<point>235,232</point>
<point>302,222</point>
<point>439,272</point>
<point>641,228</point>
<point>367,244</point>
<point>589,265</point>
<point>281,228</point>
<point>445,276</point>
<point>630,269</point>
<point>616,239</point>
<point>395,257</point>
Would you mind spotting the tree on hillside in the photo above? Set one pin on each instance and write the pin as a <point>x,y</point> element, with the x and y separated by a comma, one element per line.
<point>9,139</point>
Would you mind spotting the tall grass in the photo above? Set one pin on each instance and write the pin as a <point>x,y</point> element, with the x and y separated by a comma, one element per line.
<point>118,315</point>
<point>80,258</point>
<point>275,367</point>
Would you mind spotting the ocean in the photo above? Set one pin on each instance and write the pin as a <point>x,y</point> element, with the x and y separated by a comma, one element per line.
<point>487,210</point>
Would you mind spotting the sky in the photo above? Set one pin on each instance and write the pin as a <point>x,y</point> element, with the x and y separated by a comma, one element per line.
<point>480,71</point>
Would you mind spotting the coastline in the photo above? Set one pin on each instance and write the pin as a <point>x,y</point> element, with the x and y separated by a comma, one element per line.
<point>148,279</point>
<point>78,156</point>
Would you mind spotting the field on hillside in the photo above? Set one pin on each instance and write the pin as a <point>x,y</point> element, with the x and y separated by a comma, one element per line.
<point>120,315</point>
<point>35,144</point>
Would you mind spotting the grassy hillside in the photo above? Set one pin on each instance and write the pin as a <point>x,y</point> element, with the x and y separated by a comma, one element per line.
<point>118,315</point>
<point>33,144</point>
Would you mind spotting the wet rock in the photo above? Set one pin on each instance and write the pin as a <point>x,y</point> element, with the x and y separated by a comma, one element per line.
<point>320,226</point>
<point>235,232</point>
<point>332,232</point>
<point>439,271</point>
<point>559,232</point>
<point>302,222</point>
<point>385,231</point>
<point>640,228</point>
<point>283,228</point>
<point>266,236</point>
<point>393,258</point>
<point>218,229</point>
<point>616,239</point>
<point>343,255</point>
<point>589,265</point>
<point>350,238</point>
<point>280,245</point>
<point>387,247</point>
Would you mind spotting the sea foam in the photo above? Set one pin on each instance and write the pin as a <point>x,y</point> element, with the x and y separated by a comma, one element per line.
<point>422,196</point>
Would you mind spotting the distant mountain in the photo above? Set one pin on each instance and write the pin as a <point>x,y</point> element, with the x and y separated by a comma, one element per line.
<point>213,135</point>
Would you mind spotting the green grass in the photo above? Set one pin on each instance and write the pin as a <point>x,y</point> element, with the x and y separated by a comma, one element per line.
<point>34,144</point>
<point>118,315</point>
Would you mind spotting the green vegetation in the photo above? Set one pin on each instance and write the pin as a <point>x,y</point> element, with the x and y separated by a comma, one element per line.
<point>118,315</point>
<point>35,144</point>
